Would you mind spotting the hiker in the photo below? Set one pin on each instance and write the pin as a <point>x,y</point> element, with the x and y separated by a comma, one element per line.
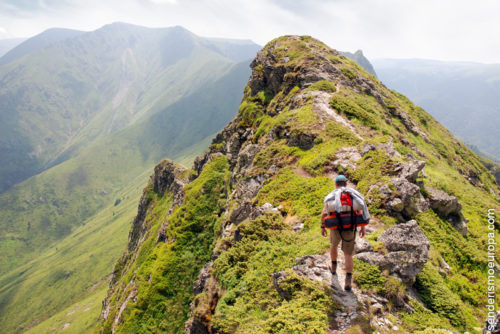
<point>344,210</point>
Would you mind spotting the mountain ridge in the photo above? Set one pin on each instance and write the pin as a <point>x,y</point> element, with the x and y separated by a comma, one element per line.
<point>225,247</point>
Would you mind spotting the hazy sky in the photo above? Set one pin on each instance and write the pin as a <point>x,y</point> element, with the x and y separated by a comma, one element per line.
<point>436,29</point>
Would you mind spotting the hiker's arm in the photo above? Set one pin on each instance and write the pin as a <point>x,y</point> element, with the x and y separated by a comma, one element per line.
<point>362,232</point>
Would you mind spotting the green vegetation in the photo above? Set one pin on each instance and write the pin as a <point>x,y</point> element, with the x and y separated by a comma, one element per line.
<point>424,320</point>
<point>251,302</point>
<point>434,293</point>
<point>299,196</point>
<point>68,272</point>
<point>78,318</point>
<point>368,276</point>
<point>164,272</point>
<point>323,85</point>
<point>347,105</point>
<point>39,213</point>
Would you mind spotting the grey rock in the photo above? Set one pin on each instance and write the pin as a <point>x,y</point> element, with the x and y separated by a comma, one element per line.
<point>389,149</point>
<point>396,204</point>
<point>411,169</point>
<point>460,225</point>
<point>346,157</point>
<point>362,245</point>
<point>203,276</point>
<point>367,148</point>
<point>448,207</point>
<point>409,194</point>
<point>407,247</point>
<point>314,267</point>
<point>444,204</point>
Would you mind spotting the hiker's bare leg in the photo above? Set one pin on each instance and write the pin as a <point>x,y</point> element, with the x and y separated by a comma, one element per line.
<point>334,252</point>
<point>348,263</point>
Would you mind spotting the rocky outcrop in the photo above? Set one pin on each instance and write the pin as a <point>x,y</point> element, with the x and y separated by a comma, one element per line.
<point>207,294</point>
<point>407,251</point>
<point>346,157</point>
<point>167,177</point>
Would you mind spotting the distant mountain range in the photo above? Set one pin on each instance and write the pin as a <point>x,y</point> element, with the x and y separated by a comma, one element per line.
<point>463,96</point>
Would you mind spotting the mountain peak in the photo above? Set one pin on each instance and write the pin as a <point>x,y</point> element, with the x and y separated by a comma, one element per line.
<point>291,61</point>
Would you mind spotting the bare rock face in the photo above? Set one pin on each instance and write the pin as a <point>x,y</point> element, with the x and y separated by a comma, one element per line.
<point>362,245</point>
<point>411,169</point>
<point>407,247</point>
<point>168,177</point>
<point>203,305</point>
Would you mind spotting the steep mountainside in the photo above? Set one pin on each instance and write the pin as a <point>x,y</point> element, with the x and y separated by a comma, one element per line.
<point>233,245</point>
<point>80,87</point>
<point>462,96</point>
<point>64,199</point>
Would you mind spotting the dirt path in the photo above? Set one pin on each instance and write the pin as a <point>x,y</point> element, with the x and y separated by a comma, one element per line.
<point>349,299</point>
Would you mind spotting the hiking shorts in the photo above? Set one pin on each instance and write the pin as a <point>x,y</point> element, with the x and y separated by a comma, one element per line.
<point>347,246</point>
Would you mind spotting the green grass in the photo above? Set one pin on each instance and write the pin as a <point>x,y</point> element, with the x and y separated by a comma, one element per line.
<point>172,267</point>
<point>78,318</point>
<point>67,272</point>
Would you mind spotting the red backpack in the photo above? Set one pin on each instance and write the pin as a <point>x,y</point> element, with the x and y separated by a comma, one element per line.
<point>347,219</point>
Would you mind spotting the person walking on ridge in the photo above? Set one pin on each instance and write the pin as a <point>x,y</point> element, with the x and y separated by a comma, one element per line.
<point>344,210</point>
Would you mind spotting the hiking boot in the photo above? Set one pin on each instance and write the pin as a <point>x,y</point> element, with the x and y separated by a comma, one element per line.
<point>348,282</point>
<point>333,268</point>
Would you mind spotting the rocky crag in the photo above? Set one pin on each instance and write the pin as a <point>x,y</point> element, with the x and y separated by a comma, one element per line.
<point>233,245</point>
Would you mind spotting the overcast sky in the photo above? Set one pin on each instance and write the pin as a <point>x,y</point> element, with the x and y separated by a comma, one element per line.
<point>435,29</point>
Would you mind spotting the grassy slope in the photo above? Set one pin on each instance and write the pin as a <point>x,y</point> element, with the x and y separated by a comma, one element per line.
<point>74,271</point>
<point>82,186</point>
<point>78,318</point>
<point>249,301</point>
<point>68,271</point>
<point>46,207</point>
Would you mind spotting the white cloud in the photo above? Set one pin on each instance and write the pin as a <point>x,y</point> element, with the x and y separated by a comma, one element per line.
<point>445,29</point>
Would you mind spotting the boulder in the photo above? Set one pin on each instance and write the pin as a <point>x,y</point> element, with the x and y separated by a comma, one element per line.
<point>362,245</point>
<point>409,194</point>
<point>444,204</point>
<point>411,169</point>
<point>407,248</point>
